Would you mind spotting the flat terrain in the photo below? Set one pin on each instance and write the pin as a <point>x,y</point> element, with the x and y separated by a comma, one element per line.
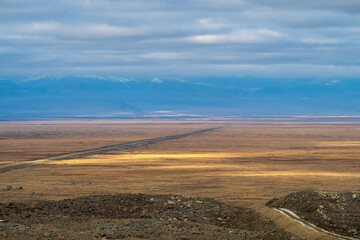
<point>29,140</point>
<point>89,152</point>
<point>243,163</point>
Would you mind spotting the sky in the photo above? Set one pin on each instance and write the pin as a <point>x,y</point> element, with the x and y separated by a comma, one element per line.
<point>183,38</point>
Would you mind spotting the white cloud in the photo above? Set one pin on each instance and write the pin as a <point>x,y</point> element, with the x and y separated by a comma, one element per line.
<point>332,82</point>
<point>177,39</point>
<point>40,27</point>
<point>165,55</point>
<point>179,80</point>
<point>163,111</point>
<point>157,80</point>
<point>210,23</point>
<point>81,31</point>
<point>320,40</point>
<point>241,36</point>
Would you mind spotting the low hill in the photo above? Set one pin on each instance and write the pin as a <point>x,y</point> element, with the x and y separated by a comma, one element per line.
<point>135,216</point>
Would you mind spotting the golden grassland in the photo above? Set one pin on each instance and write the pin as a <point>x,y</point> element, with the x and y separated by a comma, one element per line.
<point>243,163</point>
<point>28,140</point>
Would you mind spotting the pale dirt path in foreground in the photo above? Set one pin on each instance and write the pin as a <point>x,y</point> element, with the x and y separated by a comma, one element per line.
<point>292,223</point>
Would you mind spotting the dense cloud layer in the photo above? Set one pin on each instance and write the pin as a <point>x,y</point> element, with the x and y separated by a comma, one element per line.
<point>141,38</point>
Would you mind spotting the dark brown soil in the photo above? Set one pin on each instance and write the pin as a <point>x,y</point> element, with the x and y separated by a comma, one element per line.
<point>335,212</point>
<point>134,216</point>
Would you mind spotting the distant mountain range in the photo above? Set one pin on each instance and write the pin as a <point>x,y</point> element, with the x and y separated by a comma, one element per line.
<point>228,96</point>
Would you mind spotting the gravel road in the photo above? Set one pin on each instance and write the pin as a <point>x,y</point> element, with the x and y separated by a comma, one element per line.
<point>140,143</point>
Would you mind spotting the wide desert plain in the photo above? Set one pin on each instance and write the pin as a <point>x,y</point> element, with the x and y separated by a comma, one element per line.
<point>247,161</point>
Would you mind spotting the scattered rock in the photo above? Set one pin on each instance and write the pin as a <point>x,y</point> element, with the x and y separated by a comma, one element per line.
<point>131,216</point>
<point>142,235</point>
<point>335,212</point>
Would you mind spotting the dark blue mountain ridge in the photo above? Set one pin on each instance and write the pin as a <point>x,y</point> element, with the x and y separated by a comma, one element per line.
<point>229,96</point>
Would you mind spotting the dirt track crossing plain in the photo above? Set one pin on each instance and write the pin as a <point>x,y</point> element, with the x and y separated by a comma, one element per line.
<point>140,143</point>
<point>246,163</point>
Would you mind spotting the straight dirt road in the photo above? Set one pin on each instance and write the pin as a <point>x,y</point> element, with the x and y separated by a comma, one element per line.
<point>140,143</point>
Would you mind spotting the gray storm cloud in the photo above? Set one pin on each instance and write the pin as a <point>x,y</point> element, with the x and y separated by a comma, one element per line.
<point>180,38</point>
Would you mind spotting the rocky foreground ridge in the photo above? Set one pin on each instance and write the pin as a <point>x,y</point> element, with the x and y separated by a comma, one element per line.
<point>134,216</point>
<point>334,212</point>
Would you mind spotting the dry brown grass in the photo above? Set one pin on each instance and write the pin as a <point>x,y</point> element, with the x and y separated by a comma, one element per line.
<point>243,163</point>
<point>21,141</point>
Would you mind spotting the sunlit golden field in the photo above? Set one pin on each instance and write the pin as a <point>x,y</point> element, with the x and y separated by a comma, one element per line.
<point>242,163</point>
<point>27,140</point>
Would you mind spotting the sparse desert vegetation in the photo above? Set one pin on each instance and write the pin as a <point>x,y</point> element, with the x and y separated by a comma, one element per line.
<point>335,212</point>
<point>246,161</point>
<point>245,164</point>
<point>136,216</point>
